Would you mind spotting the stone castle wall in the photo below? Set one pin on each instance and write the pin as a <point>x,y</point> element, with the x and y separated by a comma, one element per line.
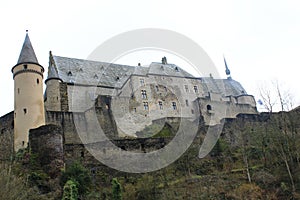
<point>6,136</point>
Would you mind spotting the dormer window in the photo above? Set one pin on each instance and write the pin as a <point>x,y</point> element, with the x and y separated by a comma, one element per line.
<point>96,76</point>
<point>70,73</point>
<point>80,70</point>
<point>176,69</point>
<point>118,78</point>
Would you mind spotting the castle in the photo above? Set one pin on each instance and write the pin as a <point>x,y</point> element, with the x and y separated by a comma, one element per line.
<point>133,96</point>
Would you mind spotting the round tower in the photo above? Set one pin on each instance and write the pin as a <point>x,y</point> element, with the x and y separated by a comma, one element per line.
<point>52,97</point>
<point>28,95</point>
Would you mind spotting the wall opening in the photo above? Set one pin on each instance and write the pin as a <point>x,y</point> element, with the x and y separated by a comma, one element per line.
<point>186,88</point>
<point>38,81</point>
<point>174,106</point>
<point>142,82</point>
<point>196,89</point>
<point>146,107</point>
<point>144,94</point>
<point>208,107</point>
<point>160,104</point>
<point>25,66</point>
<point>25,111</point>
<point>187,102</point>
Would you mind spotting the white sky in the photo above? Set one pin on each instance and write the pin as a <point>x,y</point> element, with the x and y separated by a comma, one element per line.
<point>260,39</point>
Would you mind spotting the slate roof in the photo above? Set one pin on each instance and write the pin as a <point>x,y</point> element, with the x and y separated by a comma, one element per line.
<point>27,54</point>
<point>87,72</point>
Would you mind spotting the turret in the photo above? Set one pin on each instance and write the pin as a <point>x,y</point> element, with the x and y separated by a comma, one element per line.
<point>28,95</point>
<point>52,94</point>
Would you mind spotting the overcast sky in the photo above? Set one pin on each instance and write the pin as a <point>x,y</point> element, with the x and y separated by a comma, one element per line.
<point>260,39</point>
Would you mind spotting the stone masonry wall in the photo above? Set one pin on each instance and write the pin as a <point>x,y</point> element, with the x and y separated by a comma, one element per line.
<point>6,136</point>
<point>47,142</point>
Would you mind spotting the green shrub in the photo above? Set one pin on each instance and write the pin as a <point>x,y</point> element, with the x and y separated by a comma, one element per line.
<point>70,191</point>
<point>78,174</point>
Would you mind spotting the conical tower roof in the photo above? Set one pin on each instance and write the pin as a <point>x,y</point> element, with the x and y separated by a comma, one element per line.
<point>27,54</point>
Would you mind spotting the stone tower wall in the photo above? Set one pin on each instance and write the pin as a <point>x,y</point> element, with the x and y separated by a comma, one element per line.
<point>53,100</point>
<point>29,101</point>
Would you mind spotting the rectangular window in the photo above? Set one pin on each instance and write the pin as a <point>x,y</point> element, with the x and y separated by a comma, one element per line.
<point>144,94</point>
<point>146,107</point>
<point>196,89</point>
<point>187,102</point>
<point>186,88</point>
<point>174,106</point>
<point>142,82</point>
<point>160,105</point>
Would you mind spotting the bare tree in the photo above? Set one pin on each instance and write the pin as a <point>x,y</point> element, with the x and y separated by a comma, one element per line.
<point>274,94</point>
<point>267,97</point>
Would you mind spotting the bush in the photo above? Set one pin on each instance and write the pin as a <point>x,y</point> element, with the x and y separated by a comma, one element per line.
<point>79,175</point>
<point>70,191</point>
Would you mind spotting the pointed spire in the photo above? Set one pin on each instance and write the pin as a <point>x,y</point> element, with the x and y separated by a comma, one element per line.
<point>27,54</point>
<point>227,71</point>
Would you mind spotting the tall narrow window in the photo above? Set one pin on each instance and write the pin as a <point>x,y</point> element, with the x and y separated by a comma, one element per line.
<point>196,89</point>
<point>144,94</point>
<point>146,107</point>
<point>25,111</point>
<point>166,89</point>
<point>186,88</point>
<point>142,82</point>
<point>187,102</point>
<point>157,88</point>
<point>18,90</point>
<point>160,105</point>
<point>174,106</point>
<point>38,81</point>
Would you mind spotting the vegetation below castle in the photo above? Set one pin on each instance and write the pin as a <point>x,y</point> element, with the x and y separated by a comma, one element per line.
<point>256,157</point>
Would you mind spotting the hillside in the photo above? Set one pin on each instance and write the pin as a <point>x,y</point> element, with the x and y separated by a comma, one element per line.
<point>256,157</point>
